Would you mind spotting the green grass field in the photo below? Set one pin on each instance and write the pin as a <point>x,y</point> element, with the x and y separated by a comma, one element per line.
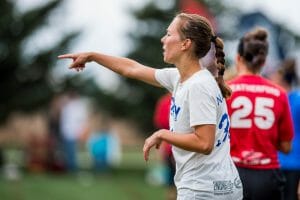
<point>120,186</point>
<point>126,182</point>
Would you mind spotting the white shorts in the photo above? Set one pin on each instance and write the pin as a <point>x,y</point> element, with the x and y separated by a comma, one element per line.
<point>188,194</point>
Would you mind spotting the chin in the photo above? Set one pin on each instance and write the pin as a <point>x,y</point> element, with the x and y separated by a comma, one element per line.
<point>167,60</point>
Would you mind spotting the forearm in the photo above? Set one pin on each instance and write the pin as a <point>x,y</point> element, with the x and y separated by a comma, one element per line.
<point>119,65</point>
<point>125,67</point>
<point>189,142</point>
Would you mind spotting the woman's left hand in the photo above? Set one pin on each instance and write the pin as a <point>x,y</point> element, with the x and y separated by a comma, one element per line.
<point>153,140</point>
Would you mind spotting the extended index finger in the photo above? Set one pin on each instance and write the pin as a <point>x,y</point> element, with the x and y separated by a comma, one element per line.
<point>66,56</point>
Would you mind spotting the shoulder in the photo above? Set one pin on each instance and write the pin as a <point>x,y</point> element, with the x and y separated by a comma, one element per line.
<point>167,77</point>
<point>167,71</point>
<point>204,84</point>
<point>282,91</point>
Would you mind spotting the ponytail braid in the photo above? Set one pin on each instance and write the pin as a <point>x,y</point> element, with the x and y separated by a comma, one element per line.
<point>226,91</point>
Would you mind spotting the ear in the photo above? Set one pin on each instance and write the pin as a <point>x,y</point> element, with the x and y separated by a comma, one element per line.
<point>238,58</point>
<point>186,44</point>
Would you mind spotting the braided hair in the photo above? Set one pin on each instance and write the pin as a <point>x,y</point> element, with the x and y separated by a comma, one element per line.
<point>199,30</point>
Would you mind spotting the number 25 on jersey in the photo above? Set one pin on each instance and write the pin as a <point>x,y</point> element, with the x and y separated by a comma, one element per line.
<point>262,107</point>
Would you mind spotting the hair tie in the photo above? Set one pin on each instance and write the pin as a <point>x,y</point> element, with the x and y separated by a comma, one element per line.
<point>213,38</point>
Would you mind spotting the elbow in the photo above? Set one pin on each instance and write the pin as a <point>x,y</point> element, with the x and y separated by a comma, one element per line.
<point>205,149</point>
<point>131,69</point>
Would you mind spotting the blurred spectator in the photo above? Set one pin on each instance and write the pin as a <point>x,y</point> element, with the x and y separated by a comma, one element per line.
<point>161,121</point>
<point>72,124</point>
<point>36,146</point>
<point>103,145</point>
<point>36,153</point>
<point>56,161</point>
<point>1,157</point>
<point>261,122</point>
<point>286,77</point>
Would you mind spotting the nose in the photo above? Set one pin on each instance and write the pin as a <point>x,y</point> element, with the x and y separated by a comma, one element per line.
<point>162,39</point>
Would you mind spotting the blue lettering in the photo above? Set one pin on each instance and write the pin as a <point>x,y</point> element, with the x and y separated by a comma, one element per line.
<point>224,121</point>
<point>218,143</point>
<point>219,99</point>
<point>174,109</point>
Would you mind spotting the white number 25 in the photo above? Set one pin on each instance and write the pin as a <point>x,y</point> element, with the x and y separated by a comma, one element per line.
<point>263,112</point>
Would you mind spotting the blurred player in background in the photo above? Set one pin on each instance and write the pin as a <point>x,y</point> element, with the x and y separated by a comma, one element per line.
<point>261,122</point>
<point>161,121</point>
<point>286,76</point>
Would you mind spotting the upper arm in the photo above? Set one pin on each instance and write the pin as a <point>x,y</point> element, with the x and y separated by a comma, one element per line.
<point>286,128</point>
<point>206,136</point>
<point>143,73</point>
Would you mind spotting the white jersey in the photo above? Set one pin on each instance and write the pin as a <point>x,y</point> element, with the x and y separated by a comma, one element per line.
<point>197,101</point>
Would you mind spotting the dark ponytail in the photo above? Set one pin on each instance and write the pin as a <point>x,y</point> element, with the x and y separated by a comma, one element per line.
<point>253,47</point>
<point>219,45</point>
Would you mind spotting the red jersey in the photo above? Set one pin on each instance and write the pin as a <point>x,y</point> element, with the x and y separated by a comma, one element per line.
<point>260,118</point>
<point>162,112</point>
<point>161,119</point>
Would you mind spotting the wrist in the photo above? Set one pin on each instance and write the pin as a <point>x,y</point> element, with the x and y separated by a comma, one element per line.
<point>90,56</point>
<point>161,133</point>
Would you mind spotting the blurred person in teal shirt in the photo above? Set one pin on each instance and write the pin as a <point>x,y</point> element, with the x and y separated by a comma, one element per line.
<point>286,77</point>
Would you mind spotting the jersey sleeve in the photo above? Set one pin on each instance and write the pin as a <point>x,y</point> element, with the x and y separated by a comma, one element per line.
<point>167,77</point>
<point>202,106</point>
<point>286,129</point>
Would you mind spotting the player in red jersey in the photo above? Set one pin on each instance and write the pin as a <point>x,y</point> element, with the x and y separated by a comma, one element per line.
<point>261,121</point>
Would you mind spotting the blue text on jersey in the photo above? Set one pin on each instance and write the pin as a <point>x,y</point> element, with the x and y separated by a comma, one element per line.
<point>174,109</point>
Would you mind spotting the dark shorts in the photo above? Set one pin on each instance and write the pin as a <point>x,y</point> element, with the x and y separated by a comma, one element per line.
<point>262,184</point>
<point>291,186</point>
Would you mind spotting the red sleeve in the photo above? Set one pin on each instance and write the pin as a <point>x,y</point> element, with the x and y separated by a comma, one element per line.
<point>286,129</point>
<point>162,111</point>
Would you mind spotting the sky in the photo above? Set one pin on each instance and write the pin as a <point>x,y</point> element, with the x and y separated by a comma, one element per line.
<point>104,26</point>
<point>284,12</point>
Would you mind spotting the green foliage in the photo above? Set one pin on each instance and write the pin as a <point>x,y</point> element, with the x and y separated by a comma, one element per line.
<point>25,86</point>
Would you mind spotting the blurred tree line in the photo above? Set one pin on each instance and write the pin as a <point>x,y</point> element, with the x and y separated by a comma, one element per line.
<point>27,86</point>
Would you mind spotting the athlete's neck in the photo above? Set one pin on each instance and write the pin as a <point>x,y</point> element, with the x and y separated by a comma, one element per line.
<point>188,69</point>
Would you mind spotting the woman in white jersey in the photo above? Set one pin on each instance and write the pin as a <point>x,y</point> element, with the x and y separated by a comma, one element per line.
<point>199,121</point>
